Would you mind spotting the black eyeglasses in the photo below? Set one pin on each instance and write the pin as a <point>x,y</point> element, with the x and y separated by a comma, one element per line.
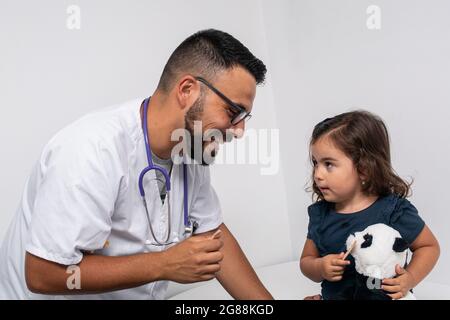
<point>239,113</point>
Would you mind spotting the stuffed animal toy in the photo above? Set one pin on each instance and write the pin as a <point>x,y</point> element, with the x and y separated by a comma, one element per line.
<point>376,250</point>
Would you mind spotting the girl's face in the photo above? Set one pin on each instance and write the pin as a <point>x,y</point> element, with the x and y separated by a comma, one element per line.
<point>334,172</point>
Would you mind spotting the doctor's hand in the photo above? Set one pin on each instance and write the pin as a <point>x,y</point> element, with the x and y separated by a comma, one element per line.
<point>192,260</point>
<point>332,266</point>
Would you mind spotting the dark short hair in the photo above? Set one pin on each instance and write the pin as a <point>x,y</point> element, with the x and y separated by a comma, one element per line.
<point>207,52</point>
<point>364,138</point>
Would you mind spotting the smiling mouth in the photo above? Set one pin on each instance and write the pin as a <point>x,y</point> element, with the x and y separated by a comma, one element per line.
<point>224,139</point>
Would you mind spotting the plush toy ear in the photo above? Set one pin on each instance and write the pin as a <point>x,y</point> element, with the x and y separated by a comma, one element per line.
<point>400,245</point>
<point>367,240</point>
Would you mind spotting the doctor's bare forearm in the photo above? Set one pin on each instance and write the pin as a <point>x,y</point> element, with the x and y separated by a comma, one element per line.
<point>236,274</point>
<point>97,273</point>
<point>425,255</point>
<point>192,260</point>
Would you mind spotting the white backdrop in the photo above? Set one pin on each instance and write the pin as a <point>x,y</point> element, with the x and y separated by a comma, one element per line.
<point>322,60</point>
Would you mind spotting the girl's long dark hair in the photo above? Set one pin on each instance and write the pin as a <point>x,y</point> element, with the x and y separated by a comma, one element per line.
<point>364,138</point>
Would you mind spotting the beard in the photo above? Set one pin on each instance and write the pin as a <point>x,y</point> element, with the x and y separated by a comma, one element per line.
<point>196,136</point>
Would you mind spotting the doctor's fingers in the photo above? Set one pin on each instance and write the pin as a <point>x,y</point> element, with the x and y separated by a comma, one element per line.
<point>211,269</point>
<point>210,245</point>
<point>206,277</point>
<point>208,272</point>
<point>210,258</point>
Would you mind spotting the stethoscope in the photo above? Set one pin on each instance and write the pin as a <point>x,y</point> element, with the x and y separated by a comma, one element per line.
<point>188,225</point>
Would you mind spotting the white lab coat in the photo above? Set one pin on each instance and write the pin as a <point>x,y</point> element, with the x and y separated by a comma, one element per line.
<point>83,193</point>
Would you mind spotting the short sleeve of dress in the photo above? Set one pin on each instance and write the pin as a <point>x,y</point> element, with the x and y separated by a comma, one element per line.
<point>405,218</point>
<point>316,213</point>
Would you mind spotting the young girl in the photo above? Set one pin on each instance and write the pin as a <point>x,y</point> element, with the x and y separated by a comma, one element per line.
<point>355,187</point>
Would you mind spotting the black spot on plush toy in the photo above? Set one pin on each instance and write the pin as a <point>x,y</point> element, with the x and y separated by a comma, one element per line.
<point>376,250</point>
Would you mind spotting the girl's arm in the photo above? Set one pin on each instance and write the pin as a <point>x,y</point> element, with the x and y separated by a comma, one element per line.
<point>425,255</point>
<point>310,261</point>
<point>330,267</point>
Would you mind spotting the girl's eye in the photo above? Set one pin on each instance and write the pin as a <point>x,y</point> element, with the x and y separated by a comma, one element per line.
<point>328,165</point>
<point>314,163</point>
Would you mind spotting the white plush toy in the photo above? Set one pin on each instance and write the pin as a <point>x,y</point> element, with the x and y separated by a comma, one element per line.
<point>377,250</point>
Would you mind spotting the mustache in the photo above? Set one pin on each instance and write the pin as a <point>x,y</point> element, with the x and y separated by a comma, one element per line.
<point>220,136</point>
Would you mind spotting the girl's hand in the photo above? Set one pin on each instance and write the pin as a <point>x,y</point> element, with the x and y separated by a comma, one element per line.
<point>400,285</point>
<point>314,297</point>
<point>332,266</point>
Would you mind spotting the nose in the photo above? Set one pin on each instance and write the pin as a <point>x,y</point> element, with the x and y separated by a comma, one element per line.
<point>318,175</point>
<point>238,130</point>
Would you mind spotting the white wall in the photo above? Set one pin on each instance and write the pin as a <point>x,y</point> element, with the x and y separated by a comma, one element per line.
<point>326,61</point>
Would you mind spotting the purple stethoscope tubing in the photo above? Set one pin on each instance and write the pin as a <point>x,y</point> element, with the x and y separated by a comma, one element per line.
<point>151,166</point>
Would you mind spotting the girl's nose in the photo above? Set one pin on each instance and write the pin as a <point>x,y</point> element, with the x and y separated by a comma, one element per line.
<point>318,174</point>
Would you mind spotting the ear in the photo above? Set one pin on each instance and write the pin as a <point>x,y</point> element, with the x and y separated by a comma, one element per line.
<point>187,91</point>
<point>400,245</point>
<point>363,174</point>
<point>363,179</point>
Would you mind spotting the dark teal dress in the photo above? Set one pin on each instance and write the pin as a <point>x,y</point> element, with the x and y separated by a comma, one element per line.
<point>329,231</point>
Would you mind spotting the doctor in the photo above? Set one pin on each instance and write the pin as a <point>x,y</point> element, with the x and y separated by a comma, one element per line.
<point>110,212</point>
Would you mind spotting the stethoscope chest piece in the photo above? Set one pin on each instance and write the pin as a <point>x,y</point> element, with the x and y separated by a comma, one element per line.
<point>190,229</point>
